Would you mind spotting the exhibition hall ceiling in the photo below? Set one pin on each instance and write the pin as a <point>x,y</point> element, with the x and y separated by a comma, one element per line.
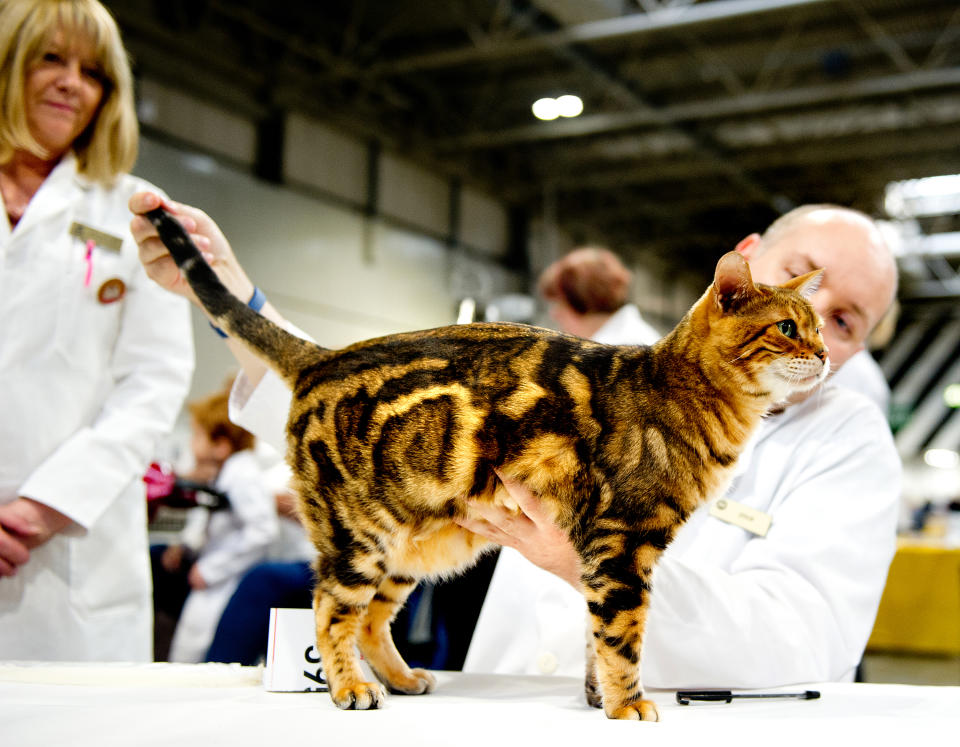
<point>701,122</point>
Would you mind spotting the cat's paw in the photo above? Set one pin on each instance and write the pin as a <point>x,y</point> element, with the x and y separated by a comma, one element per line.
<point>364,696</point>
<point>420,682</point>
<point>637,710</point>
<point>594,697</point>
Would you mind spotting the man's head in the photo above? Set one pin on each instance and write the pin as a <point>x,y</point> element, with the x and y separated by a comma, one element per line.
<point>860,274</point>
<point>584,287</point>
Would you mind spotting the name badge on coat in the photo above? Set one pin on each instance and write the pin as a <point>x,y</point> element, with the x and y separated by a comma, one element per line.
<point>754,521</point>
<point>99,238</point>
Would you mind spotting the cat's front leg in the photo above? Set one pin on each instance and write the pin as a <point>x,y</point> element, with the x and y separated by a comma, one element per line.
<point>617,604</point>
<point>617,642</point>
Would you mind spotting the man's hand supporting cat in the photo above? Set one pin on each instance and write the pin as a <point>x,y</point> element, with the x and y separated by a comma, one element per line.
<point>533,534</point>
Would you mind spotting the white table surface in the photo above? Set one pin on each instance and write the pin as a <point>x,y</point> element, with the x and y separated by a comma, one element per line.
<point>213,704</point>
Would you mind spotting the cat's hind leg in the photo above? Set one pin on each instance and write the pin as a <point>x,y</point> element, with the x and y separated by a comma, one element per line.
<point>591,687</point>
<point>376,640</point>
<point>339,612</point>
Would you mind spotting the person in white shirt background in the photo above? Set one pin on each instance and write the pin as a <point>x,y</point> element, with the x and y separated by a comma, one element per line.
<point>217,546</point>
<point>95,360</point>
<point>588,292</point>
<point>730,608</point>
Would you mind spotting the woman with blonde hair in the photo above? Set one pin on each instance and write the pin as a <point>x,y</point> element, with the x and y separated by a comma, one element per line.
<point>95,359</point>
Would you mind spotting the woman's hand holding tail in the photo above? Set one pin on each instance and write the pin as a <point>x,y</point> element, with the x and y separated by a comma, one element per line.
<point>206,235</point>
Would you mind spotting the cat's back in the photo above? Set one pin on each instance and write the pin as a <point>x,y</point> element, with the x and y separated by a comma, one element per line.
<point>461,349</point>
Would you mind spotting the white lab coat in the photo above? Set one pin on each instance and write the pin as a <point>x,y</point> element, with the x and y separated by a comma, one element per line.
<point>863,374</point>
<point>86,391</point>
<point>626,327</point>
<point>236,539</point>
<point>730,609</point>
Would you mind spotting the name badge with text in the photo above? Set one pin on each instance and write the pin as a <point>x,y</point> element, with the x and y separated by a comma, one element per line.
<point>100,238</point>
<point>754,521</point>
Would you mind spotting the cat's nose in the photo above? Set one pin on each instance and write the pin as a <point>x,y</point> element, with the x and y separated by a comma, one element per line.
<point>822,355</point>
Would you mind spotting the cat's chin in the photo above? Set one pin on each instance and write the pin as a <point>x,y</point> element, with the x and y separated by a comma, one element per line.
<point>786,389</point>
<point>788,381</point>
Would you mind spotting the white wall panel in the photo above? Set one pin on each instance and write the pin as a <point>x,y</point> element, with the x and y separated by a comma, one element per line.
<point>339,276</point>
<point>413,195</point>
<point>196,122</point>
<point>484,223</point>
<point>320,157</point>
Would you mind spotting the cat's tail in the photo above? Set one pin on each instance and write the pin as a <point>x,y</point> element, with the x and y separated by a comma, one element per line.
<point>286,353</point>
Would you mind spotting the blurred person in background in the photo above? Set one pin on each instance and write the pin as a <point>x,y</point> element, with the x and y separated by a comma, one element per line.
<point>198,574</point>
<point>587,291</point>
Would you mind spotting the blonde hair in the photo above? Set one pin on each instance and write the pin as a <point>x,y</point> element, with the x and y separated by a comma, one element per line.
<point>108,147</point>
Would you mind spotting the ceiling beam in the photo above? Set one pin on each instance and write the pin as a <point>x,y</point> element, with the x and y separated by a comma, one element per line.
<point>620,27</point>
<point>751,103</point>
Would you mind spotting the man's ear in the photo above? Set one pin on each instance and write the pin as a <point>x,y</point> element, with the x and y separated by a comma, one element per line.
<point>732,281</point>
<point>748,246</point>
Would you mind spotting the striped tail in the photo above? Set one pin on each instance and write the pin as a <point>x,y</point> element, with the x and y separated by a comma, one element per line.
<point>286,353</point>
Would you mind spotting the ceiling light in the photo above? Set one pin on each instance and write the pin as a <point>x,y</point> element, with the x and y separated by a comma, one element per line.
<point>941,458</point>
<point>567,105</point>
<point>546,109</point>
<point>934,195</point>
<point>951,395</point>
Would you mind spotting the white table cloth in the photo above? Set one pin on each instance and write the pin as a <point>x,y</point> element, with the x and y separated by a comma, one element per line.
<point>213,704</point>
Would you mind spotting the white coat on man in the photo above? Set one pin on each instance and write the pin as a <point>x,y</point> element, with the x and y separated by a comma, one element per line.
<point>87,389</point>
<point>237,538</point>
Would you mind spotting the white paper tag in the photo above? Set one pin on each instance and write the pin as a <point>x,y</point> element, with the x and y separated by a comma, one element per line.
<point>754,521</point>
<point>293,664</point>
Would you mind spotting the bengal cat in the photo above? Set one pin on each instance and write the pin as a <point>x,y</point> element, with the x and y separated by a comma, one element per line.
<point>389,438</point>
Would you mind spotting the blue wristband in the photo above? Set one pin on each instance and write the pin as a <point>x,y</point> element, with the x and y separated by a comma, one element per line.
<point>256,302</point>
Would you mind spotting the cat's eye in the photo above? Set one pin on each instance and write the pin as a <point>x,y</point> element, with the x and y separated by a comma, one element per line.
<point>788,327</point>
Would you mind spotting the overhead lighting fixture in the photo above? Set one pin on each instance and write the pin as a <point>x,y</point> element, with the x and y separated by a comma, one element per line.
<point>915,198</point>
<point>951,395</point>
<point>941,458</point>
<point>548,108</point>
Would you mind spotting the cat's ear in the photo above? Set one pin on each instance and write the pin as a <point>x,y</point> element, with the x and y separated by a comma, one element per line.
<point>806,285</point>
<point>732,281</point>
